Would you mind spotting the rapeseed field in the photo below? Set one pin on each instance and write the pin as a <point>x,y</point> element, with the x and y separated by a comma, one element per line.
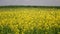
<point>29,21</point>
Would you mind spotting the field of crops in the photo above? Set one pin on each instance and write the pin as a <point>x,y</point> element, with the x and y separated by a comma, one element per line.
<point>29,21</point>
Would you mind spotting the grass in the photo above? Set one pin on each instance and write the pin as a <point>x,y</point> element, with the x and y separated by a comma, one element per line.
<point>32,20</point>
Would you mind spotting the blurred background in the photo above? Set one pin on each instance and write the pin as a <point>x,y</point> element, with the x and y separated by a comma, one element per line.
<point>30,2</point>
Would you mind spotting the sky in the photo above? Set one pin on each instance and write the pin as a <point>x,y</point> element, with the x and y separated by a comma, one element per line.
<point>30,2</point>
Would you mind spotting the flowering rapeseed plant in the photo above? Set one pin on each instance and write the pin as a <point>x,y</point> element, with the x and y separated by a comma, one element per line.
<point>29,21</point>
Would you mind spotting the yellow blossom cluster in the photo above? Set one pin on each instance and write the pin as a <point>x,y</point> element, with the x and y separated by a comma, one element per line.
<point>30,21</point>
